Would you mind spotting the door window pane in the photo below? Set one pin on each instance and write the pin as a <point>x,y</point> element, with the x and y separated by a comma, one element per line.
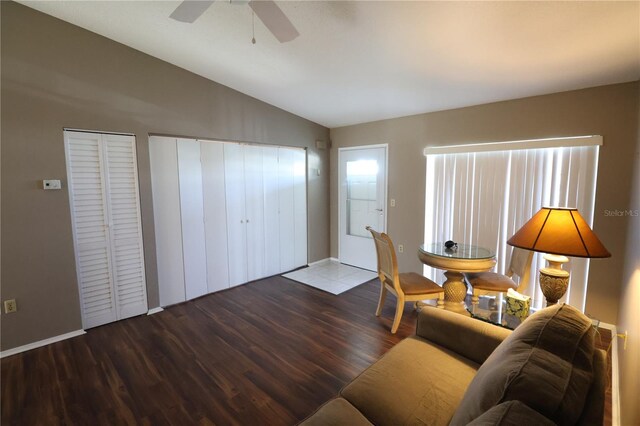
<point>362,177</point>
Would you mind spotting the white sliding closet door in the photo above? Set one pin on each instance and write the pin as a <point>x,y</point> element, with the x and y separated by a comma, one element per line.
<point>192,218</point>
<point>300,207</point>
<point>236,216</point>
<point>225,214</point>
<point>271,211</point>
<point>105,212</point>
<point>254,199</point>
<point>286,197</point>
<point>215,215</point>
<point>168,224</point>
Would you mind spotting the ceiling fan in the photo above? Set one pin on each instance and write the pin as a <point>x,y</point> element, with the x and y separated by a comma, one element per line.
<point>267,10</point>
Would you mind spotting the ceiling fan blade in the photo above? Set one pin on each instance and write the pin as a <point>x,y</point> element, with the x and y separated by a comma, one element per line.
<point>274,19</point>
<point>190,10</point>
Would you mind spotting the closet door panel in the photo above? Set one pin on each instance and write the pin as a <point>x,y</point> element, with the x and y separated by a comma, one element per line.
<point>168,224</point>
<point>192,212</point>
<point>300,206</point>
<point>87,193</point>
<point>254,193</point>
<point>125,225</point>
<point>215,215</point>
<point>286,207</point>
<point>235,200</point>
<point>271,211</point>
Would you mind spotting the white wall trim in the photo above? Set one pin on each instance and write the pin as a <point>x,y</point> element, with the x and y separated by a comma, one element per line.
<point>615,378</point>
<point>327,259</point>
<point>154,310</point>
<point>607,326</point>
<point>317,262</point>
<point>513,145</point>
<point>40,343</point>
<point>615,375</point>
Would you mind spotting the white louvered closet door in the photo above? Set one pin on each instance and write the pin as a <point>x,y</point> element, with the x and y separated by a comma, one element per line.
<point>88,200</point>
<point>105,211</point>
<point>125,225</point>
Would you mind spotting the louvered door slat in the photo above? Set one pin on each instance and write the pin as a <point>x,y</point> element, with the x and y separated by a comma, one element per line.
<point>125,226</point>
<point>88,208</point>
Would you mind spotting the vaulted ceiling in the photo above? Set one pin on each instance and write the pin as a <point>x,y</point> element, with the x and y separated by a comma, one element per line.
<point>359,61</point>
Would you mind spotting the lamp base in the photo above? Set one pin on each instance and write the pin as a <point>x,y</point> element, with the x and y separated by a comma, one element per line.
<point>554,283</point>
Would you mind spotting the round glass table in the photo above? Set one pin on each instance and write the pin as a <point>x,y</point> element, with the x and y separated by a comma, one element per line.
<point>455,262</point>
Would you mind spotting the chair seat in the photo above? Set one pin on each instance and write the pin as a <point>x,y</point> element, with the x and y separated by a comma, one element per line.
<point>490,281</point>
<point>412,283</point>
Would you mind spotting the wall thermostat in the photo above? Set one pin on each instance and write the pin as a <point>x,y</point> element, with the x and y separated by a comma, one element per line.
<point>51,184</point>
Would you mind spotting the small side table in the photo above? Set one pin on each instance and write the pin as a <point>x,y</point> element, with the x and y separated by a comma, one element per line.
<point>466,258</point>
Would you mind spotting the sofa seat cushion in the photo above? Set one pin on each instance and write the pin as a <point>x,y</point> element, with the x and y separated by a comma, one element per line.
<point>511,413</point>
<point>546,363</point>
<point>336,412</point>
<point>416,382</point>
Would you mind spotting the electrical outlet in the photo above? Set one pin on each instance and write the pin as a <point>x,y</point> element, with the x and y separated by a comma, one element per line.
<point>393,202</point>
<point>400,248</point>
<point>10,306</point>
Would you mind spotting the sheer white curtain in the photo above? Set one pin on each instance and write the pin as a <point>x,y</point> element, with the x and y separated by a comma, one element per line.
<point>483,198</point>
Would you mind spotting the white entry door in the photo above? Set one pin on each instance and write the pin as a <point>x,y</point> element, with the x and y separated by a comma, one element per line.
<point>363,194</point>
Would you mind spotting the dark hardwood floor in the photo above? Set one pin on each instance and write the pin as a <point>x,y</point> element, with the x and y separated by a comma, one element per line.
<point>269,352</point>
<point>266,353</point>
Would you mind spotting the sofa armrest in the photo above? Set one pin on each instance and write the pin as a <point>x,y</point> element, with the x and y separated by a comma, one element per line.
<point>471,338</point>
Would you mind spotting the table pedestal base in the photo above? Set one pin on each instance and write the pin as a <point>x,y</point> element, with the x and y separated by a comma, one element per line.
<point>455,290</point>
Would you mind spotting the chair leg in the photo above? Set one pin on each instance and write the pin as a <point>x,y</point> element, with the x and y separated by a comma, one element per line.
<point>440,302</point>
<point>383,296</point>
<point>474,297</point>
<point>398,317</point>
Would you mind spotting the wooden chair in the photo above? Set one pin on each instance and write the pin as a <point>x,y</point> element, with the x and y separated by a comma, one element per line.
<point>407,287</point>
<point>492,282</point>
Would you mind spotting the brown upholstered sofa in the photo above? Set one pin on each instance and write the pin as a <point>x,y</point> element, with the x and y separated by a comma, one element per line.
<point>457,370</point>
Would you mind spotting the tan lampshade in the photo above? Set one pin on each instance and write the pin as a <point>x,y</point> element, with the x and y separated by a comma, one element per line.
<point>559,230</point>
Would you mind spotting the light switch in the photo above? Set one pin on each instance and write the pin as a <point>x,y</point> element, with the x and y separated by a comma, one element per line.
<point>51,184</point>
<point>393,202</point>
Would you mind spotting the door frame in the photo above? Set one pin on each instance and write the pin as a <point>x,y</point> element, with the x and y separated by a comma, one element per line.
<point>340,190</point>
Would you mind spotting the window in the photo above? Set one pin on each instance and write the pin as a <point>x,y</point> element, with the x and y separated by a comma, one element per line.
<point>484,195</point>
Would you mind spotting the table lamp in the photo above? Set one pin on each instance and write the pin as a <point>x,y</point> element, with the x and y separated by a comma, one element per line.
<point>558,232</point>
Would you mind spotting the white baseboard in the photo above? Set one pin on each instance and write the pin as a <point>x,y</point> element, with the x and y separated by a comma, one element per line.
<point>154,310</point>
<point>327,259</point>
<point>40,343</point>
<point>317,262</point>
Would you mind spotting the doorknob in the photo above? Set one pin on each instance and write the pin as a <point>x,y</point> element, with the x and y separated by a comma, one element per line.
<point>379,210</point>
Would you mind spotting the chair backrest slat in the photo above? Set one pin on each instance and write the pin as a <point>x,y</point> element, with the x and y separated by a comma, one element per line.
<point>387,262</point>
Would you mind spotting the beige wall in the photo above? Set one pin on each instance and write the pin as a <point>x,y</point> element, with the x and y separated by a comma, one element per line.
<point>56,75</point>
<point>629,318</point>
<point>610,111</point>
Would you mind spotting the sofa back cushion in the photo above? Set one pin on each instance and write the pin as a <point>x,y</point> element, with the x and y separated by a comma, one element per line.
<point>511,413</point>
<point>546,363</point>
